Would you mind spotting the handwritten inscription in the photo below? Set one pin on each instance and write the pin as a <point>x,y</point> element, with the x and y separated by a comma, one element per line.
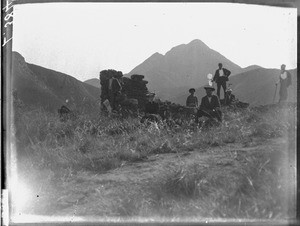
<point>8,18</point>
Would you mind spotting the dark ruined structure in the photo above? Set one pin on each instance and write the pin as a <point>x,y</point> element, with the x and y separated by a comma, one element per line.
<point>105,75</point>
<point>135,88</point>
<point>133,92</point>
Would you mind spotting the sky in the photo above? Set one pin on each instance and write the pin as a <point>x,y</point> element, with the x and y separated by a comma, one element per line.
<point>81,39</point>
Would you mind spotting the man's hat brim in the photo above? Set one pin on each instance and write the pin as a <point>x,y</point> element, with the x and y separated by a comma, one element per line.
<point>209,87</point>
<point>192,90</point>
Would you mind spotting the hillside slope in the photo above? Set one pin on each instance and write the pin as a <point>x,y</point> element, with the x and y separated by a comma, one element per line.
<point>93,82</point>
<point>41,87</point>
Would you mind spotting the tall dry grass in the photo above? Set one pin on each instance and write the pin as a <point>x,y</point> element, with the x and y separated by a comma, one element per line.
<point>60,149</point>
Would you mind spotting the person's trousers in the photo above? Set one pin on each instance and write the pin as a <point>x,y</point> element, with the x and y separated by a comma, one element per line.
<point>219,84</point>
<point>283,93</point>
<point>210,114</point>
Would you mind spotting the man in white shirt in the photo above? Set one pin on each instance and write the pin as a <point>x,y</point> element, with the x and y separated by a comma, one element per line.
<point>221,77</point>
<point>285,80</point>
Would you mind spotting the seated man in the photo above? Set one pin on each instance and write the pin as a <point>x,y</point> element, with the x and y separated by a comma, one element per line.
<point>210,106</point>
<point>151,110</point>
<point>229,98</point>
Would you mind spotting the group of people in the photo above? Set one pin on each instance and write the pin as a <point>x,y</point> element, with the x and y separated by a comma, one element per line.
<point>210,104</point>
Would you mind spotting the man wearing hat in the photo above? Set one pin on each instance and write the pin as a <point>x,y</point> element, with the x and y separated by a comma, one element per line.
<point>210,105</point>
<point>221,77</point>
<point>151,109</point>
<point>192,100</point>
<point>285,80</point>
<point>229,97</point>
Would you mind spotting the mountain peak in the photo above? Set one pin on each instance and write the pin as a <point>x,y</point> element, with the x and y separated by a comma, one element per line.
<point>197,42</point>
<point>157,54</point>
<point>251,67</point>
<point>154,57</point>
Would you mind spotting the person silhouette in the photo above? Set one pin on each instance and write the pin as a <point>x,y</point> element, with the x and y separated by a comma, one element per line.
<point>285,80</point>
<point>210,105</point>
<point>221,77</point>
<point>192,100</point>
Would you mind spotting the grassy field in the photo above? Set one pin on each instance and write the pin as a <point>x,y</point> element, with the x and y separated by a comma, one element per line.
<point>113,167</point>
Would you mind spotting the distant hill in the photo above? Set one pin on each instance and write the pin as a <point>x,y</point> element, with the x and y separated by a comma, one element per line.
<point>93,82</point>
<point>41,87</point>
<point>186,65</point>
<point>256,87</point>
<point>250,68</point>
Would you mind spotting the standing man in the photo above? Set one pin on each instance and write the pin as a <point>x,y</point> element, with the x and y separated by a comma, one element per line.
<point>192,100</point>
<point>221,77</point>
<point>285,80</point>
<point>210,105</point>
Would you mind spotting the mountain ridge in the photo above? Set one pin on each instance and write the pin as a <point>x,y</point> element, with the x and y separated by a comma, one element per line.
<point>93,82</point>
<point>41,87</point>
<point>182,66</point>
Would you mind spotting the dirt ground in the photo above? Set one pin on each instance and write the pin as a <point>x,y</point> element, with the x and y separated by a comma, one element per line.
<point>88,194</point>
